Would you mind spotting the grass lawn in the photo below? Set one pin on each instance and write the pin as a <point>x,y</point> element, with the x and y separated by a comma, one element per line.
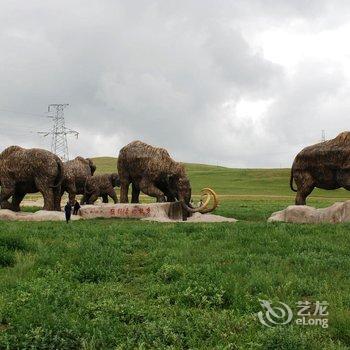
<point>124,284</point>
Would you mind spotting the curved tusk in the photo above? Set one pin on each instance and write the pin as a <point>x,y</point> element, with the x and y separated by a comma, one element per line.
<point>210,193</point>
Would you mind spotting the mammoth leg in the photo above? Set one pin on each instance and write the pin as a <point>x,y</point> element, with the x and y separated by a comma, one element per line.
<point>6,205</point>
<point>124,189</point>
<point>111,192</point>
<point>92,198</point>
<point>305,185</point>
<point>83,199</point>
<point>135,194</point>
<point>104,198</point>
<point>343,179</point>
<point>57,198</point>
<point>72,192</point>
<point>151,190</point>
<point>71,197</point>
<point>16,201</point>
<point>7,190</point>
<point>301,196</point>
<point>49,202</point>
<point>48,194</point>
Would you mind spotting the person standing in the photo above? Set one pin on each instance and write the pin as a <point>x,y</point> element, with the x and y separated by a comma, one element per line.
<point>68,211</point>
<point>76,208</point>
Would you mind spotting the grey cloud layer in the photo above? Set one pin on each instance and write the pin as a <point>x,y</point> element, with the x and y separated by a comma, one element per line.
<point>163,72</point>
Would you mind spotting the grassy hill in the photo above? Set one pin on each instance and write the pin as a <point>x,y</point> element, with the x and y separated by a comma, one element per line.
<point>235,182</point>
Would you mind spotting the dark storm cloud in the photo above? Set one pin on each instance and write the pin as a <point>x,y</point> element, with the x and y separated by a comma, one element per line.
<point>169,73</point>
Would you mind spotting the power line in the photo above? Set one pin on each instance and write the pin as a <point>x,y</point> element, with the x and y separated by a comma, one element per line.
<point>59,131</point>
<point>24,113</point>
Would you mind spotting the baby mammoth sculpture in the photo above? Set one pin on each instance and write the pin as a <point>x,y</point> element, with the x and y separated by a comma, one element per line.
<point>325,165</point>
<point>151,170</point>
<point>101,186</point>
<point>32,170</point>
<point>76,172</point>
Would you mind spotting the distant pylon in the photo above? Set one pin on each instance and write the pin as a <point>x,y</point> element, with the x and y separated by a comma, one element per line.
<point>59,132</point>
<point>323,137</point>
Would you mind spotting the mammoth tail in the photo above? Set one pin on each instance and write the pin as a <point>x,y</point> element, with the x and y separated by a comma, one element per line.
<point>291,181</point>
<point>59,177</point>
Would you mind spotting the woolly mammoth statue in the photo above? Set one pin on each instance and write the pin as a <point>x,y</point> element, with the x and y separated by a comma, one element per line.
<point>101,186</point>
<point>25,171</point>
<point>76,172</point>
<point>325,165</point>
<point>151,170</point>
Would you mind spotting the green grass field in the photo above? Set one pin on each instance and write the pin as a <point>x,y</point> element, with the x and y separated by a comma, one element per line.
<point>125,284</point>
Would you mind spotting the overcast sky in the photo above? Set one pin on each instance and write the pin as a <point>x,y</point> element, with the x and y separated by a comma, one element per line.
<point>243,83</point>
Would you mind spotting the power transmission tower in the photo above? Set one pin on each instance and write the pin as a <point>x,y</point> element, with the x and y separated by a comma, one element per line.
<point>59,131</point>
<point>323,137</point>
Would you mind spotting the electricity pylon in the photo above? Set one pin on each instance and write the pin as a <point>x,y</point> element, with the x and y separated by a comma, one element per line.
<point>59,131</point>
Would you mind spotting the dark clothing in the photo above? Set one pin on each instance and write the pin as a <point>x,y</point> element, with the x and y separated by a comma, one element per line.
<point>68,211</point>
<point>76,208</point>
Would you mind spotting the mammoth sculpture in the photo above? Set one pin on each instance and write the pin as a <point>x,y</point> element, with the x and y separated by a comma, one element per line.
<point>76,172</point>
<point>151,170</point>
<point>324,165</point>
<point>32,170</point>
<point>101,186</point>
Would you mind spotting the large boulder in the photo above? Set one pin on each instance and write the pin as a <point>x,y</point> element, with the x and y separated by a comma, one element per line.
<point>131,211</point>
<point>302,214</point>
<point>41,215</point>
<point>161,212</point>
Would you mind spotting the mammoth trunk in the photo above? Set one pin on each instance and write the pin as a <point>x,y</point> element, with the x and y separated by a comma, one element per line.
<point>187,207</point>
